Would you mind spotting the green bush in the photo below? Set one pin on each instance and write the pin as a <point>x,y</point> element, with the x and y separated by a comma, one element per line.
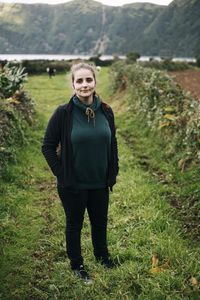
<point>165,107</point>
<point>132,57</point>
<point>11,80</point>
<point>40,66</point>
<point>167,65</point>
<point>102,63</point>
<point>16,112</point>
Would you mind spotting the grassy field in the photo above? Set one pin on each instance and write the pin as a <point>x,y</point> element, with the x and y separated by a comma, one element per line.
<point>142,224</point>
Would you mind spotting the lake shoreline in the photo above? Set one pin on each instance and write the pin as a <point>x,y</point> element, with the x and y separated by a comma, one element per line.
<point>68,57</point>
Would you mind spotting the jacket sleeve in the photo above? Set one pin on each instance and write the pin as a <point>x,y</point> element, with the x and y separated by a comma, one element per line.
<point>51,141</point>
<point>115,146</point>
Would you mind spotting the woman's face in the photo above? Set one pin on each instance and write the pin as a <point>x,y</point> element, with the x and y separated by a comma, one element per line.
<point>84,85</point>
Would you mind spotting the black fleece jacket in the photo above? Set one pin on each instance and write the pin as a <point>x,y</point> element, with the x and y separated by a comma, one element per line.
<point>58,132</point>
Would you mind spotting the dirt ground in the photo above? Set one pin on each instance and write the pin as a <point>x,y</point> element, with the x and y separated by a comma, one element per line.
<point>189,80</point>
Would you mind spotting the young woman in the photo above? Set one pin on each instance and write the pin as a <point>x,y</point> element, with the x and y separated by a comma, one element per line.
<point>86,164</point>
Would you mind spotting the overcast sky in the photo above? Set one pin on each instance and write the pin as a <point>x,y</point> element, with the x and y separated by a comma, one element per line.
<point>108,2</point>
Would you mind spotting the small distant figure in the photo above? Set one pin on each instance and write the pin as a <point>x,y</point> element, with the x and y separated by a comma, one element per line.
<point>98,68</point>
<point>51,72</point>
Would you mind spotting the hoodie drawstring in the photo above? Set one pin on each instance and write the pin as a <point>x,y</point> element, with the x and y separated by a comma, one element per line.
<point>90,114</point>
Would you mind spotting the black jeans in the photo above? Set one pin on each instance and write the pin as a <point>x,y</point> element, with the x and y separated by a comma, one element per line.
<point>75,203</point>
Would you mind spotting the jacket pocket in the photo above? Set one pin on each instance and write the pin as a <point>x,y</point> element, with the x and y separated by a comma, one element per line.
<point>60,175</point>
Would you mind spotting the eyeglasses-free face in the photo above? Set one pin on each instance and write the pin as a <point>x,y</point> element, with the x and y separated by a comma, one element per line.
<point>84,85</point>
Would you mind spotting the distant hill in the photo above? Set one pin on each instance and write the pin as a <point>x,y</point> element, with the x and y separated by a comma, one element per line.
<point>88,27</point>
<point>176,31</point>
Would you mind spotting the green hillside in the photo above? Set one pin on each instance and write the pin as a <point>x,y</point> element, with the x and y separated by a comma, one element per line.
<point>176,31</point>
<point>88,27</point>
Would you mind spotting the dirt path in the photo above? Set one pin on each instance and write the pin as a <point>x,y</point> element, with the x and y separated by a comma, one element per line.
<point>189,80</point>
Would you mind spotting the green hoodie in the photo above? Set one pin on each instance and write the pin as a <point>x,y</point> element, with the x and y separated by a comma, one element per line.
<point>91,138</point>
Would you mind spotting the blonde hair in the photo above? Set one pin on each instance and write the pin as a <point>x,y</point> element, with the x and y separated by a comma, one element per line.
<point>82,65</point>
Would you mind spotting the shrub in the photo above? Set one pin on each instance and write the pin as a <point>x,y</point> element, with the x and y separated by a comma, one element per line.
<point>40,66</point>
<point>98,62</point>
<point>166,108</point>
<point>167,65</point>
<point>132,57</point>
<point>11,80</point>
<point>16,112</point>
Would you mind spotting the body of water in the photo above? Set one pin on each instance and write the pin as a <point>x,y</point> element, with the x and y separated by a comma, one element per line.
<point>20,57</point>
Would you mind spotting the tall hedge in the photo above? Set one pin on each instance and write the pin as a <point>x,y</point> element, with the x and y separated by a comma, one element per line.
<point>16,112</point>
<point>165,107</point>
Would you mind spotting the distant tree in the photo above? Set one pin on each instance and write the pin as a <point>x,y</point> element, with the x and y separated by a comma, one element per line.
<point>96,59</point>
<point>198,60</point>
<point>132,57</point>
<point>98,62</point>
<point>116,57</point>
<point>167,58</point>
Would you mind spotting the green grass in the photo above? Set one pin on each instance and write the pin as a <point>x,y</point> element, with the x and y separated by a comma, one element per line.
<point>141,222</point>
<point>180,186</point>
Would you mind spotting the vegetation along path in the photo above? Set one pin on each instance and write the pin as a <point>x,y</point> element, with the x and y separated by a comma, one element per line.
<point>157,261</point>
